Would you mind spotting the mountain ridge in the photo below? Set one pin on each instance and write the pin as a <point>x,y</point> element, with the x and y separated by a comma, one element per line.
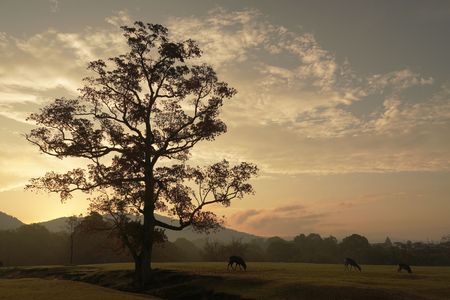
<point>8,222</point>
<point>224,235</point>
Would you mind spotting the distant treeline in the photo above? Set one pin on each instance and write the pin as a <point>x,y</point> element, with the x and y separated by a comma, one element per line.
<point>94,242</point>
<point>313,248</point>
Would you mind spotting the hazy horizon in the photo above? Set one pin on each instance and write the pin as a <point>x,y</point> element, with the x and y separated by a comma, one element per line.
<point>286,237</point>
<point>344,106</point>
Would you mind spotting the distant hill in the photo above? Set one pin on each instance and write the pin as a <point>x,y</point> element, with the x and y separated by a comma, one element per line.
<point>224,235</point>
<point>8,222</point>
<point>55,225</point>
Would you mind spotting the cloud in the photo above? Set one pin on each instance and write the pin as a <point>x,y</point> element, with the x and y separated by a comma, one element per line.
<point>20,161</point>
<point>340,215</point>
<point>289,220</point>
<point>54,6</point>
<point>226,37</point>
<point>242,217</point>
<point>37,68</point>
<point>316,63</point>
<point>398,80</point>
<point>295,100</point>
<point>290,208</point>
<point>311,95</point>
<point>31,69</point>
<point>299,111</point>
<point>251,215</point>
<point>120,18</point>
<point>294,112</point>
<point>326,122</point>
<point>401,117</point>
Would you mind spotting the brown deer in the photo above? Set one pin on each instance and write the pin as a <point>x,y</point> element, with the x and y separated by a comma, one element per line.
<point>405,267</point>
<point>351,263</point>
<point>237,261</point>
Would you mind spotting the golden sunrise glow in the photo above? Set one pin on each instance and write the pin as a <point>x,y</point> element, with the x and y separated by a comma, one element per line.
<point>347,141</point>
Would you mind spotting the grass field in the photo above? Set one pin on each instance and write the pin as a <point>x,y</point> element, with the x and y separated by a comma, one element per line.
<point>266,280</point>
<point>43,289</point>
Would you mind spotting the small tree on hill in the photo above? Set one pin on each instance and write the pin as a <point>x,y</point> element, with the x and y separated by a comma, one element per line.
<point>71,224</point>
<point>135,122</point>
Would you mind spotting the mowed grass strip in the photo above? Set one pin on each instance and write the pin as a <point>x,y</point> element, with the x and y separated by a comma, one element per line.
<point>316,281</point>
<point>55,289</point>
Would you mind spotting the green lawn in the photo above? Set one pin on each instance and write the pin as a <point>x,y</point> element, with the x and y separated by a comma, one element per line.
<point>278,280</point>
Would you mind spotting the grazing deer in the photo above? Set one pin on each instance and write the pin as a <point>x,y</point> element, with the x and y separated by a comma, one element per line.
<point>405,267</point>
<point>351,263</point>
<point>238,261</point>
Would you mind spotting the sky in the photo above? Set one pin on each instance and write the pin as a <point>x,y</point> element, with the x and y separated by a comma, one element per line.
<point>343,105</point>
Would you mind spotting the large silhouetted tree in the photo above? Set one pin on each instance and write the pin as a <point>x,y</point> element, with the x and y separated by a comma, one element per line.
<point>135,122</point>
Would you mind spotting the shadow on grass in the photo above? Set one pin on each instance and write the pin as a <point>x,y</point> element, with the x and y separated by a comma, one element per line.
<point>167,284</point>
<point>178,285</point>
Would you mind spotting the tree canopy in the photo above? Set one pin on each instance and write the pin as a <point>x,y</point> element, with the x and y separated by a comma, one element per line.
<point>136,121</point>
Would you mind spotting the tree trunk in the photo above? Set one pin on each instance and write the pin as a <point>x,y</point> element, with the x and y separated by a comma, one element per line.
<point>137,272</point>
<point>145,257</point>
<point>71,248</point>
<point>143,274</point>
<point>142,269</point>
